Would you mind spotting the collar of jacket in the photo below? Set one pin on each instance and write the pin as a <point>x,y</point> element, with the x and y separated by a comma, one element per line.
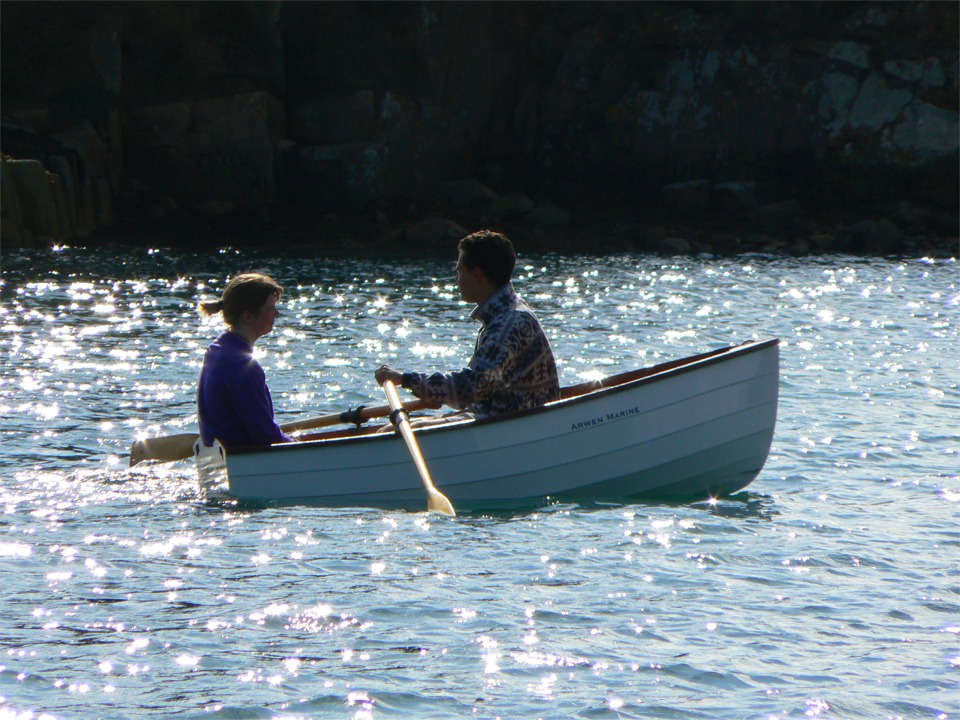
<point>503,299</point>
<point>235,341</point>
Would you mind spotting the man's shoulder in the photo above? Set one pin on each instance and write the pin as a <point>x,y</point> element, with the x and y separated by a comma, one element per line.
<point>523,311</point>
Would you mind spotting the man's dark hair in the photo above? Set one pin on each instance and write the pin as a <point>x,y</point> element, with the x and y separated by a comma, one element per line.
<point>492,252</point>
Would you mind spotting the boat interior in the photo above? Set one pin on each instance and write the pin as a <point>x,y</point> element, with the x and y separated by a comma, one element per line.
<point>566,393</point>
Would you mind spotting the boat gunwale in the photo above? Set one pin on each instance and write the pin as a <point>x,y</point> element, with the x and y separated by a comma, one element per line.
<point>670,369</point>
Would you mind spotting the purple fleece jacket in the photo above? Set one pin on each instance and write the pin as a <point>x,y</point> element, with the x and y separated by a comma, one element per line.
<point>233,400</point>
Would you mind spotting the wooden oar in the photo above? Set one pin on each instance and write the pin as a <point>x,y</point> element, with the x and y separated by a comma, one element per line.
<point>179,447</point>
<point>436,500</point>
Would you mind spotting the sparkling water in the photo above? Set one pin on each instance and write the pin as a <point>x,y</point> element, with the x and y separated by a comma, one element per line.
<point>829,588</point>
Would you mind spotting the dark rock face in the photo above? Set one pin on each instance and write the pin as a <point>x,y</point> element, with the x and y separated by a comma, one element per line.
<point>583,126</point>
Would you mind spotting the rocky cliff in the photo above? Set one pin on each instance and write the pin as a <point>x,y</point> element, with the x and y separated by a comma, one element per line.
<point>659,126</point>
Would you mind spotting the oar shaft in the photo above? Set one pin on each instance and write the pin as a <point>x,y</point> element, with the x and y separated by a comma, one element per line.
<point>402,422</point>
<point>436,500</point>
<point>169,448</point>
<point>356,417</point>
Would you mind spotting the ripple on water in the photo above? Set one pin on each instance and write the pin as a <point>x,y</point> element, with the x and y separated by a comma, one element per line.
<point>140,594</point>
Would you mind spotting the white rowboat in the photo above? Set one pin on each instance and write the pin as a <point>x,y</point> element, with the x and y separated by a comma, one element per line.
<point>688,429</point>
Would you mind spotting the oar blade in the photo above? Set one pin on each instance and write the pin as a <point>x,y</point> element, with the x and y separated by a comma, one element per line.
<point>439,503</point>
<point>165,448</point>
<point>138,452</point>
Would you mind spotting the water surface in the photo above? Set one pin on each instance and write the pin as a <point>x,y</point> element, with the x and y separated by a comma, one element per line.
<point>829,588</point>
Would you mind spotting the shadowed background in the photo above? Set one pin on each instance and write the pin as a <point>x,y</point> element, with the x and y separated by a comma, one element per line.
<point>671,127</point>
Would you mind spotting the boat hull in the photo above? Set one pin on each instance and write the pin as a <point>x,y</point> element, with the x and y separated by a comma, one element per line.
<point>698,428</point>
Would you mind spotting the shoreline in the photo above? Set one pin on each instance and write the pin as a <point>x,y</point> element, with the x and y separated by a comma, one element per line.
<point>609,233</point>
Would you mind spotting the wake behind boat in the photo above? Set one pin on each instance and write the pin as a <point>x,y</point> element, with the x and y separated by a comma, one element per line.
<point>692,428</point>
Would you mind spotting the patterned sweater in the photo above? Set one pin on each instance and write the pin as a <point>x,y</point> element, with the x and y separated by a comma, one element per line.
<point>512,367</point>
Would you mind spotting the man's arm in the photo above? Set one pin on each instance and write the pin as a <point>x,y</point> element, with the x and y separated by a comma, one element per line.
<point>492,366</point>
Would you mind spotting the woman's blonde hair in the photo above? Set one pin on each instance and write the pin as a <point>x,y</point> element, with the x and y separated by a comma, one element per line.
<point>247,291</point>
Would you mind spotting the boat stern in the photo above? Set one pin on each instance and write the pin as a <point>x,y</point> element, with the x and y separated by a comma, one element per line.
<point>211,464</point>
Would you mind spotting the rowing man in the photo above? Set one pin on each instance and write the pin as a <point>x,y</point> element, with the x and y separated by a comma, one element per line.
<point>512,367</point>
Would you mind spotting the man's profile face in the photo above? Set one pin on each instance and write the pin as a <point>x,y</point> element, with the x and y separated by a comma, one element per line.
<point>470,281</point>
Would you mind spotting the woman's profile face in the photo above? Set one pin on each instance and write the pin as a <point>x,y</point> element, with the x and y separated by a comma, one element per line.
<point>261,322</point>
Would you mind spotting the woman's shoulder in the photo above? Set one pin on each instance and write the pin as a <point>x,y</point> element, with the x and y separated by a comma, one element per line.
<point>230,340</point>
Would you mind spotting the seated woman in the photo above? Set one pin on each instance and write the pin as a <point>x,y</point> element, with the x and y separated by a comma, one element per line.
<point>234,404</point>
